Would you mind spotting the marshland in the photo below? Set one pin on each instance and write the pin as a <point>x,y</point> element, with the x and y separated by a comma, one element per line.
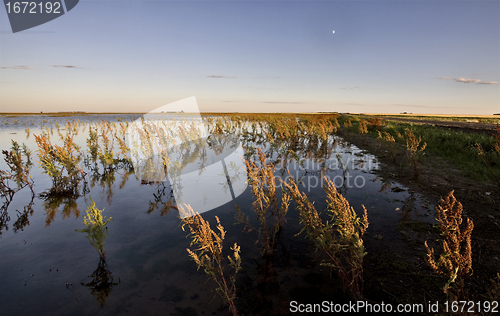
<point>307,208</point>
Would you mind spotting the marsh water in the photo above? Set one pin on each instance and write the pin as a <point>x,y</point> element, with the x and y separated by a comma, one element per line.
<point>49,268</point>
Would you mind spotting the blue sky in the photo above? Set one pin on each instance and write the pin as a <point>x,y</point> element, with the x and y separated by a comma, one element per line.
<point>257,56</point>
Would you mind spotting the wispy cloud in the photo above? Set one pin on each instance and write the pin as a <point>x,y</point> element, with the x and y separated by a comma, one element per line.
<point>221,77</point>
<point>67,66</point>
<point>18,67</point>
<point>350,88</point>
<point>468,80</point>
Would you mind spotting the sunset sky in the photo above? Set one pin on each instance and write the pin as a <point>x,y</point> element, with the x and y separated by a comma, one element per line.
<point>436,57</point>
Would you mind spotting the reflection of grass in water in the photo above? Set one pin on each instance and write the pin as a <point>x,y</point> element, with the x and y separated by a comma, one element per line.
<point>102,283</point>
<point>341,238</point>
<point>97,232</point>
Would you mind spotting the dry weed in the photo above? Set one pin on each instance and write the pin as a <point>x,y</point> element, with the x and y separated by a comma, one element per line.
<point>455,262</point>
<point>209,254</point>
<point>340,237</point>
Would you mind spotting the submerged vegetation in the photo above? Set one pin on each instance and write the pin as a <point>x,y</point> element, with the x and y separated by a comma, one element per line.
<point>340,237</point>
<point>97,232</point>
<point>209,255</point>
<point>18,161</point>
<point>96,229</point>
<point>274,147</point>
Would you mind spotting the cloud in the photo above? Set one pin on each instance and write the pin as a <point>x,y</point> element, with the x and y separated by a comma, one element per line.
<point>488,82</point>
<point>221,77</point>
<point>468,80</point>
<point>67,66</point>
<point>18,67</point>
<point>350,88</point>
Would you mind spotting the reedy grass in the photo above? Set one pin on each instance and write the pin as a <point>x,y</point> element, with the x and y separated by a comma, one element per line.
<point>209,254</point>
<point>362,126</point>
<point>18,161</point>
<point>340,237</point>
<point>414,149</point>
<point>267,205</point>
<point>390,141</point>
<point>455,261</point>
<point>62,164</point>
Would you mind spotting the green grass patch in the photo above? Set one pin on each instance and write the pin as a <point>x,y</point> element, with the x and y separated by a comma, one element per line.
<point>456,147</point>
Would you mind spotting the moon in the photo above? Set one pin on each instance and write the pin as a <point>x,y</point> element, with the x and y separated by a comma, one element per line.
<point>333,31</point>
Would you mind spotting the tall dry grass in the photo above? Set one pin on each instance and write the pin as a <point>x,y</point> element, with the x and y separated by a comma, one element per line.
<point>61,163</point>
<point>414,149</point>
<point>340,237</point>
<point>19,164</point>
<point>270,210</point>
<point>14,179</point>
<point>455,260</point>
<point>209,254</point>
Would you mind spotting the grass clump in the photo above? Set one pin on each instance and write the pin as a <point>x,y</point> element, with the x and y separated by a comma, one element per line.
<point>266,204</point>
<point>17,177</point>
<point>412,146</point>
<point>61,163</point>
<point>363,126</point>
<point>209,254</point>
<point>455,262</point>
<point>96,229</point>
<point>340,237</point>
<point>18,160</point>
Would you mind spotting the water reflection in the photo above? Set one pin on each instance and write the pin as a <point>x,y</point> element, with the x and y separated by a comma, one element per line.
<point>102,283</point>
<point>162,192</point>
<point>96,229</point>
<point>13,180</point>
<point>271,278</point>
<point>52,202</point>
<point>23,217</point>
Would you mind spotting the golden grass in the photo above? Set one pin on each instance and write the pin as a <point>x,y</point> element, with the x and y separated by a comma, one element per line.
<point>414,149</point>
<point>455,262</point>
<point>209,254</point>
<point>340,237</point>
<point>266,205</point>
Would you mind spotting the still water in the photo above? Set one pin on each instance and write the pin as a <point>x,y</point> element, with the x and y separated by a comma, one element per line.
<point>49,268</point>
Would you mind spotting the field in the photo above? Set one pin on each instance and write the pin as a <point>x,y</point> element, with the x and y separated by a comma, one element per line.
<point>247,213</point>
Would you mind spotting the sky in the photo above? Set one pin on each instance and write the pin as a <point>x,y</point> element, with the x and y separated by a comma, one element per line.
<point>428,57</point>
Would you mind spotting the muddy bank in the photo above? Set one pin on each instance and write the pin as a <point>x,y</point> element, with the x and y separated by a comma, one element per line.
<point>481,203</point>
